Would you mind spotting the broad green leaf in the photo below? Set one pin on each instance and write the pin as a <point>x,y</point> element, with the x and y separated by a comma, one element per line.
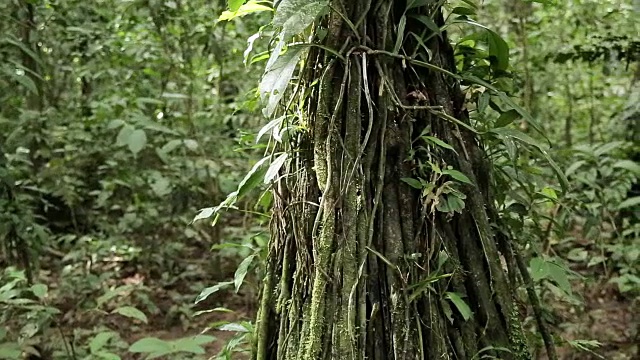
<point>631,202</point>
<point>11,351</point>
<point>104,355</point>
<point>191,144</point>
<point>457,175</point>
<point>273,124</point>
<point>24,80</point>
<point>414,183</point>
<point>549,193</point>
<point>253,178</point>
<point>39,290</point>
<point>483,101</point>
<point>296,15</point>
<point>274,168</point>
<point>212,290</point>
<point>241,272</point>
<point>187,345</point>
<point>151,345</point>
<point>499,49</point>
<point>632,166</point>
<point>573,167</point>
<point>124,134</point>
<point>607,148</point>
<point>234,5</point>
<point>115,123</point>
<point>250,7</point>
<point>507,118</point>
<point>131,312</point>
<point>276,79</point>
<point>136,141</point>
<point>538,269</point>
<point>463,10</point>
<point>454,203</point>
<point>100,340</point>
<point>462,306</point>
<point>559,274</point>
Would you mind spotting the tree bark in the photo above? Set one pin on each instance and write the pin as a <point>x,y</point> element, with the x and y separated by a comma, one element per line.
<point>362,265</point>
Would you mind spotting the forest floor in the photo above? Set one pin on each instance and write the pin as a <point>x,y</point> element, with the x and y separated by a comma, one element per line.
<point>604,316</point>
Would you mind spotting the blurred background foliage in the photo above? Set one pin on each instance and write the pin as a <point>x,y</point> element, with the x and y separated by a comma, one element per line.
<point>119,120</point>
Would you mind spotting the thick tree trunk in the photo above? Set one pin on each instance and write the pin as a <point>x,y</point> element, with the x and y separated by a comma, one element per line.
<point>362,265</point>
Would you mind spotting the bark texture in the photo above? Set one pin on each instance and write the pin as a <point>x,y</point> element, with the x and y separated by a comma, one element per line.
<point>361,265</point>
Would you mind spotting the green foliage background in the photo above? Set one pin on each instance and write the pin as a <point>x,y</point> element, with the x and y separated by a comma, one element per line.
<point>120,120</point>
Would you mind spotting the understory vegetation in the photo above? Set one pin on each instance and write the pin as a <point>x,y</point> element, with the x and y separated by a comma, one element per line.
<point>320,179</point>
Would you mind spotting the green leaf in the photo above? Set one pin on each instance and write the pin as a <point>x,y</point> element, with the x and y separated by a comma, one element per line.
<point>414,183</point>
<point>100,340</point>
<point>253,178</point>
<point>124,134</point>
<point>241,272</point>
<point>212,290</point>
<point>549,193</point>
<point>274,168</point>
<point>276,79</point>
<point>204,214</point>
<point>538,269</point>
<point>455,203</point>
<point>507,118</point>
<point>151,345</point>
<point>522,137</point>
<point>107,355</point>
<point>234,5</point>
<point>136,141</point>
<point>10,351</point>
<point>250,7</point>
<point>233,327</point>
<point>296,15</point>
<point>436,141</point>
<point>630,202</point>
<point>273,125</point>
<point>400,34</point>
<point>499,49</point>
<point>23,79</point>
<point>518,135</point>
<point>507,100</point>
<point>131,312</point>
<point>632,166</point>
<point>558,274</point>
<point>462,306</point>
<point>463,10</point>
<point>187,345</point>
<point>457,175</point>
<point>39,290</point>
<point>575,166</point>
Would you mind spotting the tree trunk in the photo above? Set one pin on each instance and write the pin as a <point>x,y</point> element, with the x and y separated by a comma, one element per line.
<point>362,264</point>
